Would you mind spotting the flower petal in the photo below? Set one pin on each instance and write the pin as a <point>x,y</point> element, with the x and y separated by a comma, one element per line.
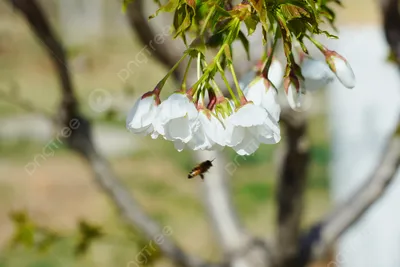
<point>275,73</point>
<point>179,145</point>
<point>255,90</point>
<point>213,128</point>
<point>248,115</point>
<point>141,116</point>
<point>270,103</point>
<point>296,99</point>
<point>178,129</point>
<point>248,146</point>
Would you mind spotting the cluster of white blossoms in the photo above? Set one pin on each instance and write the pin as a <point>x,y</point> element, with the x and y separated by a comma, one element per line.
<point>189,122</point>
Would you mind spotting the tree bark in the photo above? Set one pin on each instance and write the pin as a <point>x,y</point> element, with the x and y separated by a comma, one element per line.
<point>291,187</point>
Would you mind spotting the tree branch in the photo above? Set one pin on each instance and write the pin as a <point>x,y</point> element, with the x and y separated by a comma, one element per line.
<point>40,26</point>
<point>80,140</point>
<point>291,186</point>
<point>240,248</point>
<point>219,203</point>
<point>391,22</point>
<point>321,236</point>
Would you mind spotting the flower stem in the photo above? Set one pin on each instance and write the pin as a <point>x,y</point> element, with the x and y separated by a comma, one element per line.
<point>211,12</point>
<point>199,70</point>
<point>269,60</point>
<point>317,44</point>
<point>161,83</point>
<point>239,91</point>
<point>209,69</point>
<point>183,86</point>
<point>218,92</point>
<point>234,98</point>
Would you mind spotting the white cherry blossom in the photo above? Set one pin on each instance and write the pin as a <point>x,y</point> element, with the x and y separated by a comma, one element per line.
<point>141,117</point>
<point>261,93</point>
<point>248,127</point>
<point>210,134</point>
<point>177,119</point>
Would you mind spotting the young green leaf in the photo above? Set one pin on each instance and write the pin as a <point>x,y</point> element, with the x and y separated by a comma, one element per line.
<point>245,43</point>
<point>172,5</point>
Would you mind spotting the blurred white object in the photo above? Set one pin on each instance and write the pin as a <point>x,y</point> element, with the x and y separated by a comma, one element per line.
<point>317,74</point>
<point>81,20</point>
<point>362,119</point>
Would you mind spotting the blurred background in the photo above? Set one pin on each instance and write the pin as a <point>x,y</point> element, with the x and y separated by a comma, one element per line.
<point>59,193</point>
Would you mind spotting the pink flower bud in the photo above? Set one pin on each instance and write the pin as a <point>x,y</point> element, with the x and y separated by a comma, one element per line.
<point>341,68</point>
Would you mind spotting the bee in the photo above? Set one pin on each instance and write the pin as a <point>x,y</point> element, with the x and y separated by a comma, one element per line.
<point>200,169</point>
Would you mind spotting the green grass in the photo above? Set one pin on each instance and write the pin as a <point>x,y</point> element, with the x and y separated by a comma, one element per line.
<point>19,149</point>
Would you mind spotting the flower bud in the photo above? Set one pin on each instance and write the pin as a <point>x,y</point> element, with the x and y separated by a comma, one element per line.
<point>341,68</point>
<point>295,92</point>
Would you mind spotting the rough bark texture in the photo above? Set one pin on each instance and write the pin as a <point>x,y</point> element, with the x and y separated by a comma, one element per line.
<point>391,23</point>
<point>291,186</point>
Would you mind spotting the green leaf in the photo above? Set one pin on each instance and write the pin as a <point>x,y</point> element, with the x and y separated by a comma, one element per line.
<point>47,239</point>
<point>24,233</point>
<point>216,40</point>
<point>251,25</point>
<point>87,234</point>
<point>233,29</point>
<point>265,36</point>
<point>328,34</point>
<point>222,11</point>
<point>185,25</point>
<point>292,12</point>
<point>261,10</point>
<point>303,46</point>
<point>172,5</point>
<point>245,43</point>
<point>297,28</point>
<point>179,16</point>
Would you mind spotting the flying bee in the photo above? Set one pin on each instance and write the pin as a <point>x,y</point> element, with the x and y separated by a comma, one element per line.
<point>200,169</point>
